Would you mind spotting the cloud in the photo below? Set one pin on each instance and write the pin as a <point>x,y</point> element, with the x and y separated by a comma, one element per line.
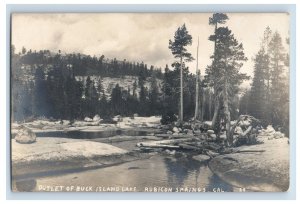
<point>139,36</point>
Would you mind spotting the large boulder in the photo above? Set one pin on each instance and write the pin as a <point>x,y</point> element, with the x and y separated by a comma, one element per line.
<point>96,118</point>
<point>210,132</point>
<point>25,136</point>
<point>270,129</point>
<point>66,122</point>
<point>212,136</point>
<point>87,119</point>
<point>187,125</point>
<point>278,135</point>
<point>176,130</point>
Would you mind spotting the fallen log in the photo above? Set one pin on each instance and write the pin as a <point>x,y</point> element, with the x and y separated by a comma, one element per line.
<point>207,152</point>
<point>167,142</point>
<point>163,135</point>
<point>189,147</point>
<point>213,154</point>
<point>212,146</point>
<point>158,146</point>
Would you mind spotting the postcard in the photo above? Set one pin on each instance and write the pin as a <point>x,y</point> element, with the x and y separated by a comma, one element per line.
<point>150,102</point>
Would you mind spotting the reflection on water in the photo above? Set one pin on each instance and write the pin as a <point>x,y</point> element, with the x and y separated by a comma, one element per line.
<point>184,171</point>
<point>158,171</point>
<point>179,169</point>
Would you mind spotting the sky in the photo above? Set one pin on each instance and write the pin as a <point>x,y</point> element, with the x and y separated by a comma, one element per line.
<point>140,36</point>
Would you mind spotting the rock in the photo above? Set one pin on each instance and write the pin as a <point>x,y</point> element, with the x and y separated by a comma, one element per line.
<point>66,122</point>
<point>203,136</point>
<point>238,130</point>
<point>25,136</point>
<point>175,130</point>
<point>87,119</point>
<point>212,136</point>
<point>269,130</point>
<point>176,133</point>
<point>208,123</point>
<point>252,139</point>
<point>96,118</point>
<point>187,125</point>
<point>135,115</point>
<point>188,132</point>
<point>210,132</point>
<point>196,126</point>
<point>278,135</point>
<point>245,123</point>
<point>170,152</point>
<point>118,118</point>
<point>223,137</point>
<point>201,158</point>
<point>169,132</point>
<point>165,127</point>
<point>177,124</point>
<point>197,132</point>
<point>14,131</point>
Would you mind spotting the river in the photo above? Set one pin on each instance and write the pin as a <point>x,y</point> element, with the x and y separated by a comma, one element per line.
<point>159,173</point>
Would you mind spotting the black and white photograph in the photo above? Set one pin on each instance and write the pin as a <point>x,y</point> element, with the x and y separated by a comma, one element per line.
<point>150,102</point>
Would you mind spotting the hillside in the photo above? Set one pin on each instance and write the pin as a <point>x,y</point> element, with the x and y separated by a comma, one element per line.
<point>125,82</point>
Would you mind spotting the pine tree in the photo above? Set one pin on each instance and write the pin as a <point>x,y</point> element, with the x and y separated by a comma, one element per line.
<point>212,71</point>
<point>40,94</point>
<point>100,88</point>
<point>116,100</point>
<point>229,57</point>
<point>181,39</point>
<point>154,96</point>
<point>258,92</point>
<point>278,90</point>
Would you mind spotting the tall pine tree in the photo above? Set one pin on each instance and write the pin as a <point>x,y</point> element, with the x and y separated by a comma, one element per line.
<point>178,47</point>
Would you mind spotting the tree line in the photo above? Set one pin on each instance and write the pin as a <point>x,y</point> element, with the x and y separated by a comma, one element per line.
<point>85,65</point>
<point>54,92</point>
<point>268,96</point>
<point>50,89</point>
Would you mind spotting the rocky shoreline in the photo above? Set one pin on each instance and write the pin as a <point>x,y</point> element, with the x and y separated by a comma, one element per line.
<point>266,171</point>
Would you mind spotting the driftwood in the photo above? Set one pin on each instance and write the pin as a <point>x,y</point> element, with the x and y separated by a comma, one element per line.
<point>158,146</point>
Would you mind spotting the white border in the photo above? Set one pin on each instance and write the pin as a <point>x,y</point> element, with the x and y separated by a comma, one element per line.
<point>3,75</point>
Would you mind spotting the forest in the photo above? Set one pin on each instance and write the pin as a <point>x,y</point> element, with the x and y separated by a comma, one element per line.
<point>44,83</point>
